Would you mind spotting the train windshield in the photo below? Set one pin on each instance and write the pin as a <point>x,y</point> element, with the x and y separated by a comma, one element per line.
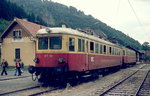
<point>49,43</point>
<point>43,43</point>
<point>55,42</point>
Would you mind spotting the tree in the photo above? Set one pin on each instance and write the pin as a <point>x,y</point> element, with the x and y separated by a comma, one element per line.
<point>146,46</point>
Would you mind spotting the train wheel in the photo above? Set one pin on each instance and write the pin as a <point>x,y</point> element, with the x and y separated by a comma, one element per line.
<point>62,81</point>
<point>74,80</point>
<point>95,75</point>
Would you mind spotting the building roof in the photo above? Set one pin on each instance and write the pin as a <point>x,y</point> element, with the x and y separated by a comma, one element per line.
<point>30,27</point>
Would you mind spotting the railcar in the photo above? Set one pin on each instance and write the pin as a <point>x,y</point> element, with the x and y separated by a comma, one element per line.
<point>129,57</point>
<point>64,55</point>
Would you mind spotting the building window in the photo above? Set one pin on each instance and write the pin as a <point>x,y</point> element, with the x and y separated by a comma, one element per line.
<point>81,45</point>
<point>71,44</point>
<point>55,42</point>
<point>43,43</point>
<point>17,33</point>
<point>92,47</point>
<point>17,53</point>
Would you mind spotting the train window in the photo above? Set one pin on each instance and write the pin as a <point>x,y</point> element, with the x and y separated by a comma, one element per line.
<point>104,47</point>
<point>110,50</point>
<point>87,46</point>
<point>101,49</point>
<point>96,48</point>
<point>92,47</point>
<point>113,51</point>
<point>81,45</point>
<point>43,43</point>
<point>55,42</point>
<point>116,51</point>
<point>71,44</point>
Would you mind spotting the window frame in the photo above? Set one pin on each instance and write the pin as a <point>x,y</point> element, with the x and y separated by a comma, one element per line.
<point>81,45</point>
<point>92,47</point>
<point>47,47</point>
<point>49,43</point>
<point>105,49</point>
<point>100,48</point>
<point>96,48</point>
<point>17,33</point>
<point>17,53</point>
<point>71,44</point>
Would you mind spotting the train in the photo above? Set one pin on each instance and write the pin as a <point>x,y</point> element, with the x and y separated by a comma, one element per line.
<point>64,55</point>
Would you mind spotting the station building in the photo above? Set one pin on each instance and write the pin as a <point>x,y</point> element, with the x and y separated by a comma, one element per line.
<point>18,42</point>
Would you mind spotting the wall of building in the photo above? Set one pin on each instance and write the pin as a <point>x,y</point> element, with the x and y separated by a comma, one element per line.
<point>27,47</point>
<point>27,51</point>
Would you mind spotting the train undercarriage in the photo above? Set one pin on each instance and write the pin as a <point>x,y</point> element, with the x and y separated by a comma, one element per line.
<point>61,76</point>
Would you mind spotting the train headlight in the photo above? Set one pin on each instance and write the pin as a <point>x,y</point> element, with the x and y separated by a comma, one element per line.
<point>61,60</point>
<point>36,60</point>
<point>31,69</point>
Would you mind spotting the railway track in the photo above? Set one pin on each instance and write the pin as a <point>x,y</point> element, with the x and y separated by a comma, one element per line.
<point>30,91</point>
<point>11,78</point>
<point>144,89</point>
<point>20,90</point>
<point>129,86</point>
<point>43,92</point>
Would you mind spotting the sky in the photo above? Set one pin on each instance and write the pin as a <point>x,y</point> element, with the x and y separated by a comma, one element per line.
<point>132,17</point>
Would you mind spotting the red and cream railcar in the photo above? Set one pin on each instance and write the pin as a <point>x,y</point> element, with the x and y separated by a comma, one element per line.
<point>65,52</point>
<point>129,56</point>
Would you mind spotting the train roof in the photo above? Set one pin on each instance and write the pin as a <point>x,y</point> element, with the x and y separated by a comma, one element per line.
<point>60,30</point>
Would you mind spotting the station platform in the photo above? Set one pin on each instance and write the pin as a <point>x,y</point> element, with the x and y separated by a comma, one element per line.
<point>10,75</point>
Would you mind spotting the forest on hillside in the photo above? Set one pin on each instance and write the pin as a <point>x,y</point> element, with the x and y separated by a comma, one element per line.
<point>50,13</point>
<point>9,10</point>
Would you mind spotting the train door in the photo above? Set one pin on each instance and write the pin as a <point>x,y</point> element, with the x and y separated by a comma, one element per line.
<point>86,55</point>
<point>123,57</point>
<point>91,56</point>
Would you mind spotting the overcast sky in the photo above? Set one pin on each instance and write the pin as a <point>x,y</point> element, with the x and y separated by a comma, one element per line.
<point>118,14</point>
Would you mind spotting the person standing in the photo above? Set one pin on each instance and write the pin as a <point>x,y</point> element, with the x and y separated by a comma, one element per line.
<point>18,66</point>
<point>4,65</point>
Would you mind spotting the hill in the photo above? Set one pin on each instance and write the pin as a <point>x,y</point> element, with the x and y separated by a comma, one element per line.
<point>9,10</point>
<point>55,14</point>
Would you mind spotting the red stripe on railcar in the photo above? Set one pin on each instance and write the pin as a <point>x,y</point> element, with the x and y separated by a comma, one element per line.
<point>78,62</point>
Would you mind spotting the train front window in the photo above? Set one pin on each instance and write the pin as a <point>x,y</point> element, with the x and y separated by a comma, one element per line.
<point>43,43</point>
<point>55,42</point>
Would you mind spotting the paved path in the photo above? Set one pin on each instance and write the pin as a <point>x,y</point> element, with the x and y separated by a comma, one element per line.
<point>11,74</point>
